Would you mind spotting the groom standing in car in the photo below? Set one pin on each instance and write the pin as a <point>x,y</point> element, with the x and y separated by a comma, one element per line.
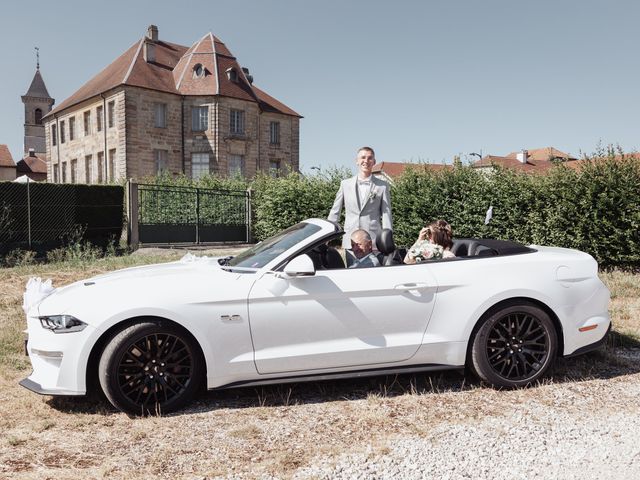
<point>366,200</point>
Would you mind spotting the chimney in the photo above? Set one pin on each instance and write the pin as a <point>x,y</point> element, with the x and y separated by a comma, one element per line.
<point>522,156</point>
<point>152,33</point>
<point>248,75</point>
<point>149,51</point>
<point>32,152</point>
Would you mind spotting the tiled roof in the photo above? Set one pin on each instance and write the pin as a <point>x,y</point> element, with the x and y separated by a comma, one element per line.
<point>394,169</point>
<point>35,164</point>
<point>538,160</point>
<point>172,71</point>
<point>270,104</point>
<point>579,163</point>
<point>543,154</point>
<point>38,88</point>
<point>6,160</point>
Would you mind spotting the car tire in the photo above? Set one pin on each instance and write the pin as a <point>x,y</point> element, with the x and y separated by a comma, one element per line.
<point>514,346</point>
<point>150,367</point>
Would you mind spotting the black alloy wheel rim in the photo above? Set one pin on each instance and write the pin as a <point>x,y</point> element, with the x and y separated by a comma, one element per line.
<point>517,346</point>
<point>155,370</point>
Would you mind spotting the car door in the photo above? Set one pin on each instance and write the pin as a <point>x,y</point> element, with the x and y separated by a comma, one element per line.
<point>340,318</point>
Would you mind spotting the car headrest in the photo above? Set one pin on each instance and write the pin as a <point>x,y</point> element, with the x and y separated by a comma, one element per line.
<point>384,241</point>
<point>464,247</point>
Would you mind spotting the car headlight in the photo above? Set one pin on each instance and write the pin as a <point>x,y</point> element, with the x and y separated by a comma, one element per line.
<point>62,323</point>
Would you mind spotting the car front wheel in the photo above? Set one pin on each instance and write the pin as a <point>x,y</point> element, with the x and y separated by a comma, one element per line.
<point>514,346</point>
<point>150,367</point>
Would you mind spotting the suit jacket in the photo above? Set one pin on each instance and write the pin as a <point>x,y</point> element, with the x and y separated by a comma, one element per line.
<point>373,216</point>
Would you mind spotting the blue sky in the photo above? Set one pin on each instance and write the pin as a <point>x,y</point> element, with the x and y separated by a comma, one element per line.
<point>417,80</point>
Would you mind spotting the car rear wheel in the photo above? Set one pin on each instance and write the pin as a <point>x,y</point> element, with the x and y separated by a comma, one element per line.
<point>514,346</point>
<point>150,367</point>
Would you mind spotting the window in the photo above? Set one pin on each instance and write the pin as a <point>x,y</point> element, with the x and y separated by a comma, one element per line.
<point>112,164</point>
<point>74,170</point>
<point>62,133</point>
<point>160,157</point>
<point>274,168</point>
<point>38,115</point>
<point>232,74</point>
<point>199,118</point>
<point>110,108</point>
<point>72,128</point>
<point>87,123</point>
<point>160,115</point>
<point>236,165</point>
<point>99,117</point>
<point>54,135</point>
<point>100,167</point>
<point>199,165</point>
<point>236,122</point>
<point>88,170</point>
<point>63,171</point>
<point>55,173</point>
<point>198,70</point>
<point>274,133</point>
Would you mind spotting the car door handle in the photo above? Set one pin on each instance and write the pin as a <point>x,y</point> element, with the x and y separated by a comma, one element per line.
<point>412,286</point>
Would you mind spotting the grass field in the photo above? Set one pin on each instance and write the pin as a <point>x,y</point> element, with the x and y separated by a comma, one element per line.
<point>258,431</point>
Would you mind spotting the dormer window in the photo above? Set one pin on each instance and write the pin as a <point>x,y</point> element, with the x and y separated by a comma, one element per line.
<point>232,74</point>
<point>198,70</point>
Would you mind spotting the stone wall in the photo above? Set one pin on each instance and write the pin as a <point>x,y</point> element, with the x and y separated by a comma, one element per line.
<point>143,137</point>
<point>136,138</point>
<point>85,149</point>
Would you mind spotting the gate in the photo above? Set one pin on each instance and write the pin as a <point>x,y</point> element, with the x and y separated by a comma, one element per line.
<point>172,214</point>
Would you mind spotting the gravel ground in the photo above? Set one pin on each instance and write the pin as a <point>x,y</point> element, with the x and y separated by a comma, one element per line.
<point>589,431</point>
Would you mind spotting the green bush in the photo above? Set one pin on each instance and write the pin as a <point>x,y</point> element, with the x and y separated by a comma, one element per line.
<point>278,203</point>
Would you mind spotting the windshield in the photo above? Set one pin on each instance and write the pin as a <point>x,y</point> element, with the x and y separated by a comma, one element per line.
<point>262,253</point>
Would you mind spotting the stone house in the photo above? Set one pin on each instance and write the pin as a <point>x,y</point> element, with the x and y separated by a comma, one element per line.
<point>164,107</point>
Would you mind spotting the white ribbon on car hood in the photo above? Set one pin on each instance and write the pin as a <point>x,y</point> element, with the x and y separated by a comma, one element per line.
<point>36,291</point>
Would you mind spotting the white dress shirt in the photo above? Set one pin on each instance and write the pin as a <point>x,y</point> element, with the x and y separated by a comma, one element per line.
<point>364,188</point>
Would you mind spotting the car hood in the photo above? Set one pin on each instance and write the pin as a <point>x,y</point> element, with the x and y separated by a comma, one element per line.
<point>148,284</point>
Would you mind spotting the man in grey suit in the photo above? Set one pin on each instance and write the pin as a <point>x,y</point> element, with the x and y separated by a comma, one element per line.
<point>366,200</point>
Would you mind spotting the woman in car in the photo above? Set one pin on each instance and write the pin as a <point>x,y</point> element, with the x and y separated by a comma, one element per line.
<point>434,243</point>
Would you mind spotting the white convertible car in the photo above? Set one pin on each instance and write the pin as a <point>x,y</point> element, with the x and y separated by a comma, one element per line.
<point>288,310</point>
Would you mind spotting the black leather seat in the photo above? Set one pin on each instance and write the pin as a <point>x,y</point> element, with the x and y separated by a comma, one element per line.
<point>390,254</point>
<point>327,258</point>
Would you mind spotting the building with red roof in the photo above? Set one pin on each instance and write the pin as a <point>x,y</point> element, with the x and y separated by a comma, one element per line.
<point>390,170</point>
<point>7,165</point>
<point>164,107</point>
<point>536,160</point>
<point>34,166</point>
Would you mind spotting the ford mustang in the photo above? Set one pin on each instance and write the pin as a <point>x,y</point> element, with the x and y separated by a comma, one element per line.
<point>288,309</point>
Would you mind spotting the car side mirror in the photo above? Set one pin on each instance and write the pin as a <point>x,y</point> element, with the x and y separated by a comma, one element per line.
<point>301,266</point>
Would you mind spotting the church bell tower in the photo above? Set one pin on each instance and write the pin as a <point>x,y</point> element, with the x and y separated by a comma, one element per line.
<point>37,103</point>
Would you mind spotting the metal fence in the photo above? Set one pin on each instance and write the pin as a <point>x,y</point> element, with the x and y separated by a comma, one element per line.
<point>172,214</point>
<point>40,216</point>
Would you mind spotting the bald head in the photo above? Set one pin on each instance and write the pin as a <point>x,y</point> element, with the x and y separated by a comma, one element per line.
<point>361,243</point>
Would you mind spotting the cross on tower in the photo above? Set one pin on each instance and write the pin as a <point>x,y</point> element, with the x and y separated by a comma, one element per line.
<point>37,58</point>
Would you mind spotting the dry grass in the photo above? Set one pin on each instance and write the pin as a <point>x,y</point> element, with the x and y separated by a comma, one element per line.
<point>271,430</point>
